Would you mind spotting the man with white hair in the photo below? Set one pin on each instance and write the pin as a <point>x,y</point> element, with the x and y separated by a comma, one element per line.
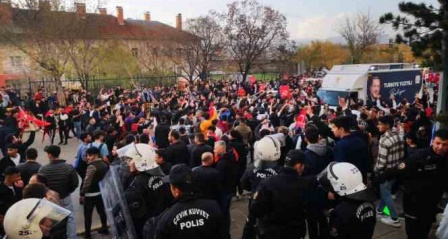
<point>226,165</point>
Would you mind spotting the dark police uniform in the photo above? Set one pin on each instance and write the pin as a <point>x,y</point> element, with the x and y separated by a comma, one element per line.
<point>425,178</point>
<point>147,196</point>
<point>250,181</point>
<point>279,205</point>
<point>252,177</point>
<point>352,219</point>
<point>191,217</point>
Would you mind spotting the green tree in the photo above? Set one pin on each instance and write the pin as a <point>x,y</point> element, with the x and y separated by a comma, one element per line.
<point>322,54</point>
<point>425,29</point>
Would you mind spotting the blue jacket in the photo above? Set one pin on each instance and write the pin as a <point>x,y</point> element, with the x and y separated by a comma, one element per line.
<point>353,149</point>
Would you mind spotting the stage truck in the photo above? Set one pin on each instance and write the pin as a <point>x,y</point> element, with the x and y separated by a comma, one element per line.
<point>370,82</point>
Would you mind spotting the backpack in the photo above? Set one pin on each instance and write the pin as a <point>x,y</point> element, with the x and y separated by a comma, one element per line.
<point>81,164</point>
<point>99,148</point>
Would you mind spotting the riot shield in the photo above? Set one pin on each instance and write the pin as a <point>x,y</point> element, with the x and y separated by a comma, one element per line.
<point>116,207</point>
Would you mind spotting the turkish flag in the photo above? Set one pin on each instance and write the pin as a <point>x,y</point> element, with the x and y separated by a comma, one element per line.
<point>285,92</point>
<point>23,116</point>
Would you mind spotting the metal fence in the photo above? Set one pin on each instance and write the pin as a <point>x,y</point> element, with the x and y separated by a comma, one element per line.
<point>94,85</point>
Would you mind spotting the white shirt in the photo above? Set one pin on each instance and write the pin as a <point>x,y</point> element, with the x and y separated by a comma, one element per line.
<point>16,160</point>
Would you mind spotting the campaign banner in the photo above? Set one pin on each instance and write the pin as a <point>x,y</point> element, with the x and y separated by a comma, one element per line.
<point>399,84</point>
<point>116,207</point>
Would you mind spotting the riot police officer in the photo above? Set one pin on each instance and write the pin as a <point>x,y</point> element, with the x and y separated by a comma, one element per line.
<point>191,216</point>
<point>279,202</point>
<point>354,216</point>
<point>267,152</point>
<point>424,178</point>
<point>147,196</point>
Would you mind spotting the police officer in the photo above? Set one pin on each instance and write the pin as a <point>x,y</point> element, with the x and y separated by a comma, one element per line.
<point>191,216</point>
<point>278,204</point>
<point>147,196</point>
<point>267,152</point>
<point>424,178</point>
<point>354,216</point>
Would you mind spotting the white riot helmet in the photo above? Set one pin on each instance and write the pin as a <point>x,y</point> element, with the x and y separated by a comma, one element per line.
<point>267,149</point>
<point>32,218</point>
<point>345,179</point>
<point>144,157</point>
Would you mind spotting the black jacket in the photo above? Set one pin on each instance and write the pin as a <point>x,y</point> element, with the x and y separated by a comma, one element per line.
<point>23,146</point>
<point>353,219</point>
<point>227,167</point>
<point>177,153</point>
<point>156,193</point>
<point>208,180</point>
<point>424,177</point>
<point>252,177</point>
<point>161,133</point>
<point>4,163</point>
<point>279,204</point>
<point>191,217</point>
<point>8,197</point>
<point>197,152</point>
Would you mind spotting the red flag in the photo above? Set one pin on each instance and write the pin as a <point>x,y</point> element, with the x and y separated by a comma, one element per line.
<point>241,92</point>
<point>25,117</point>
<point>285,92</point>
<point>252,79</point>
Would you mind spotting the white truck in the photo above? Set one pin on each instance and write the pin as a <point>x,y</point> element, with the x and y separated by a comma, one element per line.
<point>369,82</point>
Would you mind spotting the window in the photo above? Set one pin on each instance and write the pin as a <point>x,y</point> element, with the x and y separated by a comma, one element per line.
<point>135,52</point>
<point>16,61</point>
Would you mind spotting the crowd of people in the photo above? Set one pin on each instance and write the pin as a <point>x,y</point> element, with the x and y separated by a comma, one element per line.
<point>184,152</point>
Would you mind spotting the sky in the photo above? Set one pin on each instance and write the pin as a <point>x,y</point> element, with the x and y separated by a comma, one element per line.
<point>307,19</point>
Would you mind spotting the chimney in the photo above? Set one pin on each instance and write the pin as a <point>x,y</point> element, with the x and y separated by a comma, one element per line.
<point>179,22</point>
<point>44,5</point>
<point>5,12</point>
<point>102,10</point>
<point>147,16</point>
<point>81,10</point>
<point>120,16</point>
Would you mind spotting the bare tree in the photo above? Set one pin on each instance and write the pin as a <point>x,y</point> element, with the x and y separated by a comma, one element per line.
<point>284,55</point>
<point>211,39</point>
<point>251,29</point>
<point>360,32</point>
<point>151,57</point>
<point>40,31</point>
<point>185,53</point>
<point>85,46</point>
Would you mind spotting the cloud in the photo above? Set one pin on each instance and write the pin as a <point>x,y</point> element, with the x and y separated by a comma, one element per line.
<point>320,27</point>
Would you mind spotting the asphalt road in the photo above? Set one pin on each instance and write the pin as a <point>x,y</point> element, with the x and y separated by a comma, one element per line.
<point>238,209</point>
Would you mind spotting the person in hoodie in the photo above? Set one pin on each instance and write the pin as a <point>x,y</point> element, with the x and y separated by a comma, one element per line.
<point>225,163</point>
<point>350,148</point>
<point>266,154</point>
<point>318,156</point>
